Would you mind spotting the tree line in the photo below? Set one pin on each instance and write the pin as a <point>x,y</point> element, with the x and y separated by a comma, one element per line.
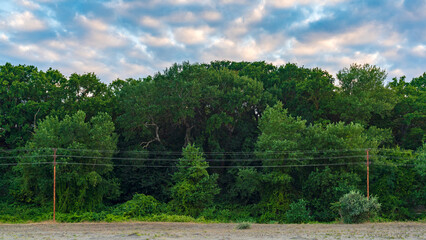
<point>217,140</point>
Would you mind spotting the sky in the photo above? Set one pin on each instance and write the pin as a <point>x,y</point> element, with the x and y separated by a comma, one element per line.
<point>134,39</point>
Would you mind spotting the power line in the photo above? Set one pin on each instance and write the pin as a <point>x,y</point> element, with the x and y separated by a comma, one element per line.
<point>24,163</point>
<point>211,160</point>
<point>26,156</point>
<point>301,151</point>
<point>220,153</point>
<point>234,166</point>
<point>175,166</point>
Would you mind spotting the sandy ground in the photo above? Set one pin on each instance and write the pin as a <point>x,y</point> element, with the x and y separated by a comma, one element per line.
<point>143,230</point>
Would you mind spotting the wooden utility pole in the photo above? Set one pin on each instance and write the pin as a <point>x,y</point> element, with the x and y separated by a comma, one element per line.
<point>368,176</point>
<point>54,184</point>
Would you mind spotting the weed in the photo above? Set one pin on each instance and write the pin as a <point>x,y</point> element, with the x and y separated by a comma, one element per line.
<point>243,225</point>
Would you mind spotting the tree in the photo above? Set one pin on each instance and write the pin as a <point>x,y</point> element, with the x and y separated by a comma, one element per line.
<point>323,187</point>
<point>408,116</point>
<point>287,147</point>
<point>280,139</point>
<point>363,98</point>
<point>26,95</point>
<point>83,92</point>
<point>396,183</point>
<point>84,174</point>
<point>194,187</point>
<point>420,168</point>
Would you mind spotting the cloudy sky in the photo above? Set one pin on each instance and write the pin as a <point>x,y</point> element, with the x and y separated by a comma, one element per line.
<point>122,39</point>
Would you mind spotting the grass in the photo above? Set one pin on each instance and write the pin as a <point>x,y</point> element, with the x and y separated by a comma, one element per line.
<point>243,225</point>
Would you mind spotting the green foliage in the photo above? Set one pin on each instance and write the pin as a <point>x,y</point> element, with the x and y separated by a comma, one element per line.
<point>355,208</point>
<point>288,141</point>
<point>79,187</point>
<point>222,107</point>
<point>408,114</point>
<point>298,213</point>
<point>396,185</point>
<point>194,188</point>
<point>323,187</point>
<point>363,95</point>
<point>141,205</point>
<point>247,186</point>
<point>26,95</point>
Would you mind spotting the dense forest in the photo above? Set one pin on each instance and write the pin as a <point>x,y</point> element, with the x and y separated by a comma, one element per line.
<point>224,141</point>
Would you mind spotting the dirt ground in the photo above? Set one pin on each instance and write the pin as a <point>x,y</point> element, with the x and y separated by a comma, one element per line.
<point>143,230</point>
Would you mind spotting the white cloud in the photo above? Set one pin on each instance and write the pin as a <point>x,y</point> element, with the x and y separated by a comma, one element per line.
<point>246,50</point>
<point>32,52</point>
<point>293,3</point>
<point>157,41</point>
<point>25,21</point>
<point>28,4</point>
<point>211,16</point>
<point>257,14</point>
<point>396,73</point>
<point>190,35</point>
<point>360,57</point>
<point>419,50</point>
<point>181,17</point>
<point>315,15</point>
<point>131,70</point>
<point>187,2</point>
<point>233,1</point>
<point>99,34</point>
<point>4,37</point>
<point>241,25</point>
<point>373,34</point>
<point>151,22</point>
<point>92,24</point>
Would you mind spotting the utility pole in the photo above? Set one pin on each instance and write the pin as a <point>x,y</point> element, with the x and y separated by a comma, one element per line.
<point>54,184</point>
<point>368,176</point>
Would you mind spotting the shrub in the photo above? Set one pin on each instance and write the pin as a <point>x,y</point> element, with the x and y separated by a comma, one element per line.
<point>355,208</point>
<point>268,217</point>
<point>324,187</point>
<point>140,205</point>
<point>297,212</point>
<point>243,225</point>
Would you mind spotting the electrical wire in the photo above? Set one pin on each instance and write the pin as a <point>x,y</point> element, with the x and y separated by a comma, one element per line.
<point>175,166</point>
<point>26,156</point>
<point>233,166</point>
<point>211,160</point>
<point>180,153</point>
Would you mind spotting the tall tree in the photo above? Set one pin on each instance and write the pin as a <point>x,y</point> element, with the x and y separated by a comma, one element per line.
<point>291,151</point>
<point>84,174</point>
<point>408,116</point>
<point>363,96</point>
<point>194,187</point>
<point>26,96</point>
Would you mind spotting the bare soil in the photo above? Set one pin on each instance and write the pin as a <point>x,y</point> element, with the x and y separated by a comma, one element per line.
<point>155,230</point>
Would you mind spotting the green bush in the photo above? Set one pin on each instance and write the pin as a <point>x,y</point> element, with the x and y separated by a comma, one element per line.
<point>16,213</point>
<point>297,212</point>
<point>268,217</point>
<point>355,208</point>
<point>324,187</point>
<point>140,205</point>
